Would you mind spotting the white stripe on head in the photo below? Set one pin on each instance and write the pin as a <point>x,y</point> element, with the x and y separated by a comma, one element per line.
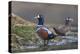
<point>38,16</point>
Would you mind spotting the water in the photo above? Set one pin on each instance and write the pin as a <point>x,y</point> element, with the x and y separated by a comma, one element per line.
<point>65,40</point>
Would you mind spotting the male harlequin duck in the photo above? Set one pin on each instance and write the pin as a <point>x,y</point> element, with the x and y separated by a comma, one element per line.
<point>42,30</point>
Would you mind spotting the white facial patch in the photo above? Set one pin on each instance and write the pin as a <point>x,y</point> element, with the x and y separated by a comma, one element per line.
<point>38,16</point>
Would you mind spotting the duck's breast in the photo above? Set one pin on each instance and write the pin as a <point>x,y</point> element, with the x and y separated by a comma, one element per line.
<point>43,33</point>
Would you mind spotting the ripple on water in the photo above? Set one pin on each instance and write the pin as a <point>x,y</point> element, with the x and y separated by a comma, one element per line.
<point>65,40</point>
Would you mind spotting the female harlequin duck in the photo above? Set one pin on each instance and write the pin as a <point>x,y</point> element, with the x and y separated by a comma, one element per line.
<point>64,29</point>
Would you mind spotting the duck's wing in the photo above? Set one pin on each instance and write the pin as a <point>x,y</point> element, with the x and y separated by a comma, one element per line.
<point>58,32</point>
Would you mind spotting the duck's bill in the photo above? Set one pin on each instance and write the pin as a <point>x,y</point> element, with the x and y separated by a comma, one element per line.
<point>35,17</point>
